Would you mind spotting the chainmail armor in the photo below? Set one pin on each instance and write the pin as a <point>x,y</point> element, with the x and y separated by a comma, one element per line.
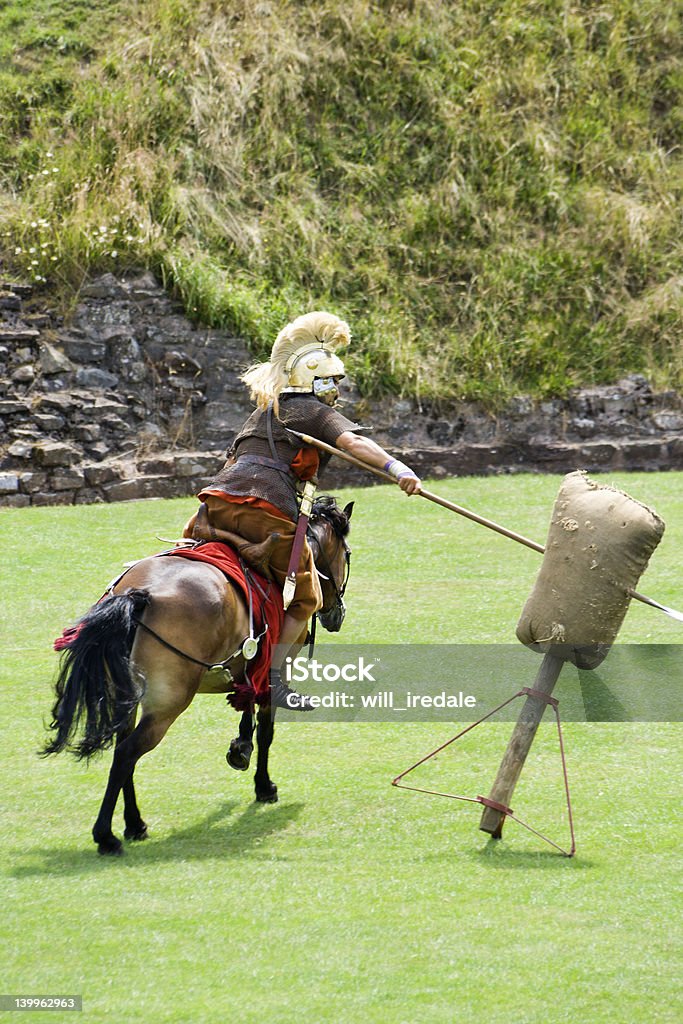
<point>300,412</point>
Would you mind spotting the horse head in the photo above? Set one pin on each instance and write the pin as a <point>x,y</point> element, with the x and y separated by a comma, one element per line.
<point>328,528</point>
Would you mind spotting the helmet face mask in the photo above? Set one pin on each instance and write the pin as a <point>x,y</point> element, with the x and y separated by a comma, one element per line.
<point>326,389</point>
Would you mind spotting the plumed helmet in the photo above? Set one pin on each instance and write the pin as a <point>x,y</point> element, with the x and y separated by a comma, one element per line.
<point>310,362</point>
<point>304,354</point>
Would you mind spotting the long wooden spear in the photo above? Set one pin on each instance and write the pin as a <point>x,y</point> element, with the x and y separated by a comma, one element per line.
<point>461,511</point>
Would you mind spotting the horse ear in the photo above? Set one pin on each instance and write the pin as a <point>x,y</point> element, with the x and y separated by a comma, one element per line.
<point>348,509</point>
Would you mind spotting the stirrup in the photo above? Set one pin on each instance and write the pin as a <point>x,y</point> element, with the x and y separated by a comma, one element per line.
<point>283,696</point>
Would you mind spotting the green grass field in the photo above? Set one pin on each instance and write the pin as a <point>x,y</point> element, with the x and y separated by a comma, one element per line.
<point>348,901</point>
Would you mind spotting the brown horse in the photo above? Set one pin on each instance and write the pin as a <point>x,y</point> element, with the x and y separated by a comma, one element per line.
<point>111,667</point>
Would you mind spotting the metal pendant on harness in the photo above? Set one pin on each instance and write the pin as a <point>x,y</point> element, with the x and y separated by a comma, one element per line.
<point>250,648</point>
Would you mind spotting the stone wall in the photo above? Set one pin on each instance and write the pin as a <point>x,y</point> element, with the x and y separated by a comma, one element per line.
<point>127,398</point>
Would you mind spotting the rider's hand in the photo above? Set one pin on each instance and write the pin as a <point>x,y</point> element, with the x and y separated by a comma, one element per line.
<point>411,484</point>
<point>406,479</point>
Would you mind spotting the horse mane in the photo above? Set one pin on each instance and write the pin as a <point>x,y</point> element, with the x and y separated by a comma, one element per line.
<point>326,507</point>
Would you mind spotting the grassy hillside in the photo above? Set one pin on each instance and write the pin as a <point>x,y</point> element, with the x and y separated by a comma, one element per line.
<point>489,192</point>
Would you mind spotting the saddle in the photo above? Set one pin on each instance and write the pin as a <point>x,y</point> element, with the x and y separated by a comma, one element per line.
<point>255,555</point>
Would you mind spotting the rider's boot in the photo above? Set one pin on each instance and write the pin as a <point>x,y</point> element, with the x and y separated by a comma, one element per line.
<point>283,696</point>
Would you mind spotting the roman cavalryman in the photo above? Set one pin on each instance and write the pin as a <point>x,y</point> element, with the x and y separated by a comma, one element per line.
<point>259,491</point>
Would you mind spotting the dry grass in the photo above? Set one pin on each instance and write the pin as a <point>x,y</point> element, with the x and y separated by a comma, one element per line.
<point>492,202</point>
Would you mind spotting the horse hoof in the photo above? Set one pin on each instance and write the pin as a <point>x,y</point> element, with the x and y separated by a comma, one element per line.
<point>268,795</point>
<point>110,847</point>
<point>137,834</point>
<point>239,754</point>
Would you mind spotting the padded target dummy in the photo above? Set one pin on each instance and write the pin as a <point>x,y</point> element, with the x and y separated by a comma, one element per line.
<point>599,544</point>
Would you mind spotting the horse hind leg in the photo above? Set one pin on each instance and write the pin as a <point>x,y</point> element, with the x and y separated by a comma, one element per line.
<point>136,828</point>
<point>266,790</point>
<point>149,731</point>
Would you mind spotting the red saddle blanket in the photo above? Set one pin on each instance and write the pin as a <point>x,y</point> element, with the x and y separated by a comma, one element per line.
<point>267,608</point>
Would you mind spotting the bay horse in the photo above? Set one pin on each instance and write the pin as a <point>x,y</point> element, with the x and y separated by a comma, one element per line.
<point>193,617</point>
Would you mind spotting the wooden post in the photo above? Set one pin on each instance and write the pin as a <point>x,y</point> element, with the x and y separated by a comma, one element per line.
<point>492,820</point>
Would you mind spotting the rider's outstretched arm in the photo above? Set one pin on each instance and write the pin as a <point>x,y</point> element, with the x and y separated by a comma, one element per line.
<point>369,451</point>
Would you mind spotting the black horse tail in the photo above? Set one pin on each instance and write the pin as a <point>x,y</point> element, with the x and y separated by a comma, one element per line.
<point>95,687</point>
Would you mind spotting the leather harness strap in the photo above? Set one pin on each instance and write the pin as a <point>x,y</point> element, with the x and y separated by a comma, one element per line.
<point>305,507</point>
<point>183,654</point>
<point>298,545</point>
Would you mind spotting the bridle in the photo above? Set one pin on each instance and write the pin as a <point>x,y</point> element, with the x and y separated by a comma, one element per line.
<point>322,563</point>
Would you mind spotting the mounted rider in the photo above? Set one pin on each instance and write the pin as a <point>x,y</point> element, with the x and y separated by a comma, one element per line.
<point>269,477</point>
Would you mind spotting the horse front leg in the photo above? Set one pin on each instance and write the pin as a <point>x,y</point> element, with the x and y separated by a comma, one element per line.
<point>241,748</point>
<point>148,733</point>
<point>266,790</point>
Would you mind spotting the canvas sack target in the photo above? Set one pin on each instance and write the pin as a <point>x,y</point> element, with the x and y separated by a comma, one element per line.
<point>599,544</point>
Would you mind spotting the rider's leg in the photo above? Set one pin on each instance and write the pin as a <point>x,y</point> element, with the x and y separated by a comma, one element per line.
<point>308,599</point>
<point>292,637</point>
<point>292,634</point>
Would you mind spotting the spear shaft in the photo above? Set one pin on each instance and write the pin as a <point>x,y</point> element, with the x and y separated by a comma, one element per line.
<point>461,511</point>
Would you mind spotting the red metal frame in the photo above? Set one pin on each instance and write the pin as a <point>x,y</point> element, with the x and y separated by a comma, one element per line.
<point>507,811</point>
